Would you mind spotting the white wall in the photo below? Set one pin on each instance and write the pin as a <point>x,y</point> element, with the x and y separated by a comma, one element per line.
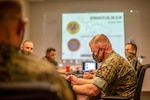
<point>46,17</point>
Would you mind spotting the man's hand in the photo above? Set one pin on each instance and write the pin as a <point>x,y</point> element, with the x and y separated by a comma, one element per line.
<point>73,79</point>
<point>87,75</point>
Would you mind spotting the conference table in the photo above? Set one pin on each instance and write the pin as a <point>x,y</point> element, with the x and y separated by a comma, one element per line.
<point>79,74</point>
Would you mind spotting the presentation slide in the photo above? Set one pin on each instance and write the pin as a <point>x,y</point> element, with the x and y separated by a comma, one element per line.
<point>79,28</point>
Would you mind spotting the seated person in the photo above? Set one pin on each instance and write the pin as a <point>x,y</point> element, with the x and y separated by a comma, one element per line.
<point>115,76</point>
<point>17,68</point>
<point>27,48</point>
<point>51,58</point>
<point>130,54</point>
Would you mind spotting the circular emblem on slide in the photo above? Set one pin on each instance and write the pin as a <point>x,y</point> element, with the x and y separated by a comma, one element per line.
<point>73,44</point>
<point>73,27</point>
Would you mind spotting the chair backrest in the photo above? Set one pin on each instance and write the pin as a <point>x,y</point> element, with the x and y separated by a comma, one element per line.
<point>28,91</point>
<point>142,72</point>
<point>134,64</point>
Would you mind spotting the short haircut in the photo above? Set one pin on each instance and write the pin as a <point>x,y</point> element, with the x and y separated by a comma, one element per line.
<point>27,41</point>
<point>133,45</point>
<point>100,38</point>
<point>10,9</point>
<point>50,49</point>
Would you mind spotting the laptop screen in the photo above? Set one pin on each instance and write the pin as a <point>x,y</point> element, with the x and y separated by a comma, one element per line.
<point>88,66</point>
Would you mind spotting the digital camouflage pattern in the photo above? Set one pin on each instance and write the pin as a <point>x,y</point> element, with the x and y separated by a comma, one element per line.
<point>131,60</point>
<point>16,68</point>
<point>55,63</point>
<point>119,75</point>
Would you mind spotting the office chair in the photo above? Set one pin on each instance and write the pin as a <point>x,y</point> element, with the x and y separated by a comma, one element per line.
<point>28,91</point>
<point>137,95</point>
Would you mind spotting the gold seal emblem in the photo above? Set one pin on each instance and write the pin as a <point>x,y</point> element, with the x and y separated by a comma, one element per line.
<point>73,27</point>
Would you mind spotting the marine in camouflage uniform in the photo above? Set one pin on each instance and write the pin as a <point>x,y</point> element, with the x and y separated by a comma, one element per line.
<point>16,68</point>
<point>26,48</point>
<point>55,63</point>
<point>51,56</point>
<point>115,77</point>
<point>130,53</point>
<point>133,60</point>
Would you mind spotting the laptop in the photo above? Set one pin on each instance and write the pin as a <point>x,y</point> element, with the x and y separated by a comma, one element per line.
<point>87,66</point>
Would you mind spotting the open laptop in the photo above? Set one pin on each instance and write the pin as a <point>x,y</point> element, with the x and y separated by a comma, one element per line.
<point>87,66</point>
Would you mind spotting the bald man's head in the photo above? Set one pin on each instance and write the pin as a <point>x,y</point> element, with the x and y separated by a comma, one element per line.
<point>27,47</point>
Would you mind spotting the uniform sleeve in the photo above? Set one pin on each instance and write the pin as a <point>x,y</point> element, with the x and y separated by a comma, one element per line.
<point>100,83</point>
<point>105,75</point>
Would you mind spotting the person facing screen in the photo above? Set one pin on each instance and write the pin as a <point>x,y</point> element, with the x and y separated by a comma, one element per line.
<point>17,68</point>
<point>115,76</point>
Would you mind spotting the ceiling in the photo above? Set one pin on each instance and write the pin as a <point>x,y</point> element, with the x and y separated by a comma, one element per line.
<point>32,1</point>
<point>56,0</point>
<point>68,0</point>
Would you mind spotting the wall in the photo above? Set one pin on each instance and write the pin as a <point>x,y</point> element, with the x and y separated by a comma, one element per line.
<point>26,9</point>
<point>47,16</point>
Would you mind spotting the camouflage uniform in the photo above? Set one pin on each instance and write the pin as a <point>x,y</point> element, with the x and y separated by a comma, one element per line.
<point>16,68</point>
<point>115,77</point>
<point>23,54</point>
<point>131,60</point>
<point>55,63</point>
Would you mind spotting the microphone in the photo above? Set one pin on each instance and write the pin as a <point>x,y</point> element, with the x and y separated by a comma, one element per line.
<point>142,57</point>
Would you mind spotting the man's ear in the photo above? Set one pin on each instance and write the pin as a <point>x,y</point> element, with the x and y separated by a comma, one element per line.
<point>21,48</point>
<point>134,51</point>
<point>21,26</point>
